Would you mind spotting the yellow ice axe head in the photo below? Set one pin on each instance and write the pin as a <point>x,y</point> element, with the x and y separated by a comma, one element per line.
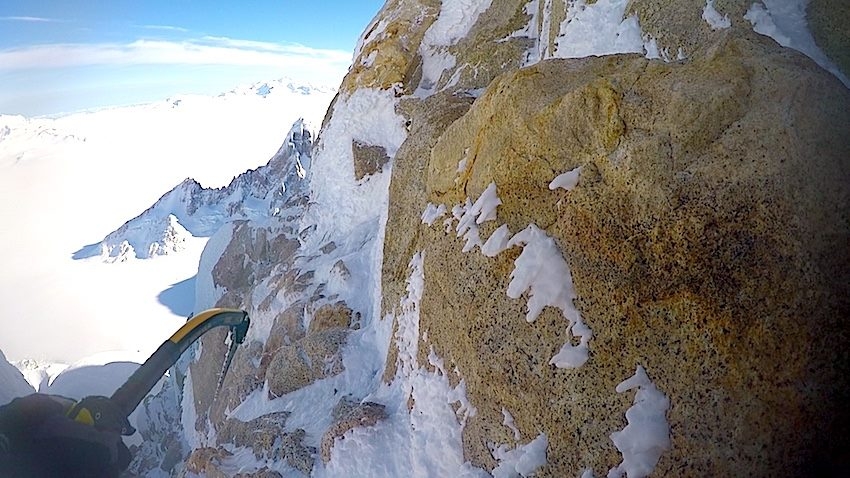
<point>101,413</point>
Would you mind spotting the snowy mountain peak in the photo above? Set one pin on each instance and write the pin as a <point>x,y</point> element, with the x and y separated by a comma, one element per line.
<point>190,210</point>
<point>269,88</point>
<point>145,239</point>
<point>39,374</point>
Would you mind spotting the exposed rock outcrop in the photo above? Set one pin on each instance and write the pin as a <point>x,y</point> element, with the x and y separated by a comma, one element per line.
<point>282,353</point>
<point>316,356</point>
<point>368,159</point>
<point>349,414</point>
<point>206,461</point>
<point>701,241</point>
<point>267,438</point>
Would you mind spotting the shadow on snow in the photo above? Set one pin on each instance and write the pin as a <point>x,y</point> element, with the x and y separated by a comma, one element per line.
<point>180,297</point>
<point>88,251</point>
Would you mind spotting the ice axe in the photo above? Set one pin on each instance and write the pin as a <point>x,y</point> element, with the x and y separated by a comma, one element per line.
<point>111,413</point>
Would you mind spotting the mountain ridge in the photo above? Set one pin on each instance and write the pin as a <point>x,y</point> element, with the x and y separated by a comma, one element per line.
<point>190,209</point>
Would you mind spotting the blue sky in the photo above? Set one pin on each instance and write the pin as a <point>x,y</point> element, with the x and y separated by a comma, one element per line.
<point>66,55</point>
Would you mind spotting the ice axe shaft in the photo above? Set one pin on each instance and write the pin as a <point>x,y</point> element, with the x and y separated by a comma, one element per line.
<point>134,390</point>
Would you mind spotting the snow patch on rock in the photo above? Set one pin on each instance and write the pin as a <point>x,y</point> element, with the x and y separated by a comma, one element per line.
<point>470,215</point>
<point>432,213</point>
<point>524,460</point>
<point>540,270</point>
<point>647,435</point>
<point>566,181</point>
<point>598,29</point>
<point>424,440</point>
<point>453,23</point>
<point>714,19</point>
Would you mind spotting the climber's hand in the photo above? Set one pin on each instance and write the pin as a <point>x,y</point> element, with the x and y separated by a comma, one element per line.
<point>84,446</point>
<point>41,441</point>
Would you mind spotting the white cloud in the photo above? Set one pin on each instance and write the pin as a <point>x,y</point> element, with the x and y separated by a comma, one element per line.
<point>30,19</point>
<point>169,28</point>
<point>205,51</point>
<point>61,78</point>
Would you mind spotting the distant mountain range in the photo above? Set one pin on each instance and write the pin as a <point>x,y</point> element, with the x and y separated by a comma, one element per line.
<point>266,88</point>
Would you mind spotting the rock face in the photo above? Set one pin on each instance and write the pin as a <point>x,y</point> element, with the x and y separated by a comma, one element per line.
<point>828,20</point>
<point>368,159</point>
<point>701,240</point>
<point>686,218</point>
<point>706,241</point>
<point>266,437</point>
<point>297,333</point>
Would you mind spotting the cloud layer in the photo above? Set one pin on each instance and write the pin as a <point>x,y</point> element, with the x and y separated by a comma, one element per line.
<point>204,51</point>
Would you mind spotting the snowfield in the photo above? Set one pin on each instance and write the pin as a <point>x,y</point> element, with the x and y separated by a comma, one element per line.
<point>66,182</point>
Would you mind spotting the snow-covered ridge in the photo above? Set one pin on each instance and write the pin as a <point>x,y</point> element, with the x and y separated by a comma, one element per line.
<point>190,210</point>
<point>38,373</point>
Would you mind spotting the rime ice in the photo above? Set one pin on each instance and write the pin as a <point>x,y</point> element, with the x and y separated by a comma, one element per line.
<point>647,435</point>
<point>524,460</point>
<point>566,181</point>
<point>714,19</point>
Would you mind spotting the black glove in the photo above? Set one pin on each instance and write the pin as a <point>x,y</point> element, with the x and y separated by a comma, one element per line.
<point>41,441</point>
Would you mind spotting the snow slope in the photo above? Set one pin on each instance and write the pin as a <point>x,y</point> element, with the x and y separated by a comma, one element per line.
<point>12,382</point>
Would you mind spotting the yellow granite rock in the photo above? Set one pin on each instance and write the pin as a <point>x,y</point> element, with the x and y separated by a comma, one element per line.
<point>707,241</point>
